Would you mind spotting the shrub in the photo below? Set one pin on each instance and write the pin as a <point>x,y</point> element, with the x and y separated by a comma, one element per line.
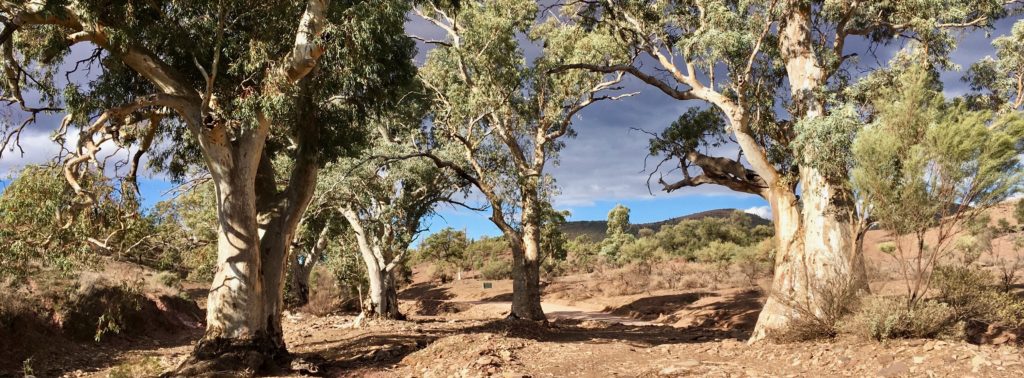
<point>328,295</point>
<point>498,269</point>
<point>756,261</point>
<point>883,318</point>
<point>975,298</point>
<point>838,298</point>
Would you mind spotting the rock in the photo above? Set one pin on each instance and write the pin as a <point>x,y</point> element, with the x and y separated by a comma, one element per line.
<point>894,369</point>
<point>929,346</point>
<point>672,370</point>
<point>487,360</point>
<point>978,362</point>
<point>918,359</point>
<point>505,355</point>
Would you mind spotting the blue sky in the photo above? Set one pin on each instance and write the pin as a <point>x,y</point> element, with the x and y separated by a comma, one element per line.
<point>604,164</point>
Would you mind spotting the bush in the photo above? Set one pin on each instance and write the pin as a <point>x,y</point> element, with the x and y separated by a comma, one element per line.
<point>498,269</point>
<point>884,318</point>
<point>756,261</point>
<point>975,298</point>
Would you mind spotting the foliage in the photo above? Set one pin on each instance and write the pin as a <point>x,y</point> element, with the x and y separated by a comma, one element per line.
<point>618,220</point>
<point>185,238</point>
<point>925,164</point>
<point>43,227</point>
<point>499,269</point>
<point>996,81</point>
<point>446,250</point>
<point>883,318</point>
<point>975,297</point>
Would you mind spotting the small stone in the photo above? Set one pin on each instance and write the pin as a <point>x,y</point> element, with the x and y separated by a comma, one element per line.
<point>918,359</point>
<point>505,355</point>
<point>487,360</point>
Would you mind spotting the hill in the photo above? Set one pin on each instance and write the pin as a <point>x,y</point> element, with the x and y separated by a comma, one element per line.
<point>595,230</point>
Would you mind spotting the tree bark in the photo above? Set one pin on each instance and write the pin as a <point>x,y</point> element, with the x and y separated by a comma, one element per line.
<point>817,258</point>
<point>382,296</point>
<point>526,265</point>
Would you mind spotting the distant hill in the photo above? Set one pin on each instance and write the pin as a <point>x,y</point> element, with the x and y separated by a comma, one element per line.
<point>595,230</point>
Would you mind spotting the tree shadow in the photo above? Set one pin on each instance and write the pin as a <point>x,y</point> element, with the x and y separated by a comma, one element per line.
<point>431,299</point>
<point>368,352</point>
<point>650,308</point>
<point>506,297</point>
<point>733,317</point>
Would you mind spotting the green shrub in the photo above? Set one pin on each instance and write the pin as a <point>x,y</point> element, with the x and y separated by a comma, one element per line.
<point>498,269</point>
<point>757,260</point>
<point>883,318</point>
<point>974,296</point>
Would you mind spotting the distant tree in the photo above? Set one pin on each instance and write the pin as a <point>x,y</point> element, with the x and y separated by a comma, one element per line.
<point>186,232</point>
<point>553,241</point>
<point>308,250</point>
<point>926,168</point>
<point>1018,213</point>
<point>618,221</point>
<point>446,250</point>
<point>383,197</point>
<point>617,234</point>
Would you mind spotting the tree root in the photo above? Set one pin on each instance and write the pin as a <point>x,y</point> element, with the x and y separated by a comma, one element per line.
<point>221,357</point>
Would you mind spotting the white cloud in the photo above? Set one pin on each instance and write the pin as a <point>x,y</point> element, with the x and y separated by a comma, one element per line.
<point>761,211</point>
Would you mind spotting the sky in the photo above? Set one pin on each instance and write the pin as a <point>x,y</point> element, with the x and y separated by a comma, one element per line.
<point>599,168</point>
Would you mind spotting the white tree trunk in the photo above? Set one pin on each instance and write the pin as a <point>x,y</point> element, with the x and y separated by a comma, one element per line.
<point>235,309</point>
<point>822,262</point>
<point>383,293</point>
<point>301,270</point>
<point>817,258</point>
<point>526,266</point>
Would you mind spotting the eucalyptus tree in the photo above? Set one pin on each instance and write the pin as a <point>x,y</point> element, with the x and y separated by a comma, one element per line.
<point>385,202</point>
<point>1002,76</point>
<point>769,68</point>
<point>223,85</point>
<point>505,117</point>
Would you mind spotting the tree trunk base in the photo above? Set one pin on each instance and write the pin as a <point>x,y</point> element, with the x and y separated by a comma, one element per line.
<point>533,315</point>
<point>221,357</point>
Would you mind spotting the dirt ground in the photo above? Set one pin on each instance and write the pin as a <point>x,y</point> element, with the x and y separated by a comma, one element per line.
<point>458,330</point>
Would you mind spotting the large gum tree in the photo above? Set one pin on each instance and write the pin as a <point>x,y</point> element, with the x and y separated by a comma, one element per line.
<point>769,68</point>
<point>505,117</point>
<point>225,87</point>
